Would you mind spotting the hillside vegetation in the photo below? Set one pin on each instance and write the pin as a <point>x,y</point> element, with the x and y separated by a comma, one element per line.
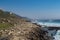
<point>8,19</point>
<point>14,27</point>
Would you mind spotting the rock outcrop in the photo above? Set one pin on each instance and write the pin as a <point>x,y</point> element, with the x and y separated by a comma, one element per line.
<point>24,31</point>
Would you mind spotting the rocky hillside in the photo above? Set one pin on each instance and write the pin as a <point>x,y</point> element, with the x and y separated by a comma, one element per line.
<point>8,19</point>
<point>14,27</point>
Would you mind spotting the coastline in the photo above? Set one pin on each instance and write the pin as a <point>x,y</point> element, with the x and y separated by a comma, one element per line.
<point>25,31</point>
<point>53,30</point>
<point>22,28</point>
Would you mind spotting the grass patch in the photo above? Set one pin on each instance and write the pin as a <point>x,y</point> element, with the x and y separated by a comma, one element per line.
<point>5,25</point>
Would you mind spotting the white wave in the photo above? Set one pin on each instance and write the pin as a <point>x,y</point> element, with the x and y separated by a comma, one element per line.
<point>57,36</point>
<point>49,24</point>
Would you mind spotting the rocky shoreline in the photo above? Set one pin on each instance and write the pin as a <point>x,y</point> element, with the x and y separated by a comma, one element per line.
<point>25,31</point>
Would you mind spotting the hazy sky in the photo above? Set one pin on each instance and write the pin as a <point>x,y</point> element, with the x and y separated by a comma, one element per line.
<point>43,9</point>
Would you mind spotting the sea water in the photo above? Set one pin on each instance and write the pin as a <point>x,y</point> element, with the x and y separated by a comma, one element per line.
<point>57,36</point>
<point>54,24</point>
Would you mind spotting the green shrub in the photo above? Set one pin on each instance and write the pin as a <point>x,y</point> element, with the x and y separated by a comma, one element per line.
<point>5,25</point>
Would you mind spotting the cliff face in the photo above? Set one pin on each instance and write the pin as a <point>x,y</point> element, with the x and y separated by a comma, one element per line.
<point>23,29</point>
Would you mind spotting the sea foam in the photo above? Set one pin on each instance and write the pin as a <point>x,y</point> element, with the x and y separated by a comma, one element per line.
<point>49,24</point>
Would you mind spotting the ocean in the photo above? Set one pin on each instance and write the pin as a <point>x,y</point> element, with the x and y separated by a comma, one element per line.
<point>54,23</point>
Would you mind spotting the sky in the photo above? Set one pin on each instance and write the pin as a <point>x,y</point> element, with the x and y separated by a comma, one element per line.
<point>35,9</point>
